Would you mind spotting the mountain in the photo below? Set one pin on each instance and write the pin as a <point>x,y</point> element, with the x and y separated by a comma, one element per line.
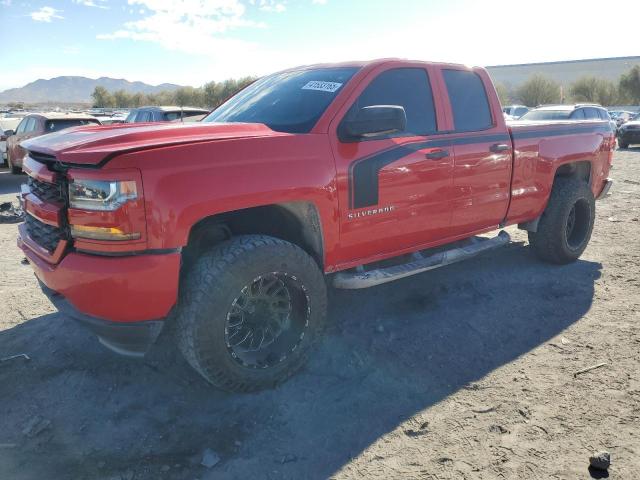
<point>74,89</point>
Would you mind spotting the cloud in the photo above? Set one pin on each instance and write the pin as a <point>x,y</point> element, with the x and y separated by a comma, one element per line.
<point>6,3</point>
<point>319,2</point>
<point>92,3</point>
<point>192,26</point>
<point>269,5</point>
<point>46,14</point>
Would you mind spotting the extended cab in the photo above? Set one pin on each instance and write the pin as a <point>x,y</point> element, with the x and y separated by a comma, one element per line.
<point>349,173</point>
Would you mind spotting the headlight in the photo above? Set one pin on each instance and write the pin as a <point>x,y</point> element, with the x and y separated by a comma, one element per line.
<point>101,195</point>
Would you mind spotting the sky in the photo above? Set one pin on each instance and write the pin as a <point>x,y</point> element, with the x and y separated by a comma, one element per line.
<point>191,42</point>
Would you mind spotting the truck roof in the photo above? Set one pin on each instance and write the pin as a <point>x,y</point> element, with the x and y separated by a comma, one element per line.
<point>371,63</point>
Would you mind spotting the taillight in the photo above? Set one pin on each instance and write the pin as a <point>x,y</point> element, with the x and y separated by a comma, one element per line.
<point>106,210</point>
<point>3,138</point>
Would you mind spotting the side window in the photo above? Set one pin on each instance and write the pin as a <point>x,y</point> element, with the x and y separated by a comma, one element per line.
<point>468,99</point>
<point>591,114</point>
<point>577,114</point>
<point>604,115</point>
<point>144,117</point>
<point>171,116</point>
<point>22,126</point>
<point>405,87</point>
<point>31,125</point>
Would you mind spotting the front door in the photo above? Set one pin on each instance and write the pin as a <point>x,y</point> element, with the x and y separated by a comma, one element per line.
<point>394,190</point>
<point>26,129</point>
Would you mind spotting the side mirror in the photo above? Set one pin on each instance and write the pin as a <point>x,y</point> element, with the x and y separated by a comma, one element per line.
<point>8,133</point>
<point>375,120</point>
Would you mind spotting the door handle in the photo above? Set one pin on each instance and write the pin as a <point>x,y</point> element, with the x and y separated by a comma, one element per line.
<point>499,147</point>
<point>437,154</point>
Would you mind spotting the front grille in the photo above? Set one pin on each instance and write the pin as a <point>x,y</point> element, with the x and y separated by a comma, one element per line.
<point>44,235</point>
<point>48,192</point>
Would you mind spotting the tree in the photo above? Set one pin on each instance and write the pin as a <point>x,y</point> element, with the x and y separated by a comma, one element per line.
<point>630,85</point>
<point>209,90</point>
<point>538,90</point>
<point>137,100</point>
<point>594,90</point>
<point>503,93</point>
<point>102,98</point>
<point>122,98</point>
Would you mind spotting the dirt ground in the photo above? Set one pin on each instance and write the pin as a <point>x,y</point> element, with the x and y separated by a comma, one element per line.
<point>466,372</point>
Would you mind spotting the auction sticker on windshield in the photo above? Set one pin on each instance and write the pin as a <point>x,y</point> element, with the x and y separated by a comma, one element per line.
<point>322,86</point>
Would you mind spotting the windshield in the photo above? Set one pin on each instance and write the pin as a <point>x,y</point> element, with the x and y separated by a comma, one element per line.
<point>546,115</point>
<point>289,102</point>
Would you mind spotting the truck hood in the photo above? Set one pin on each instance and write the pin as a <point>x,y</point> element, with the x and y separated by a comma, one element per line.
<point>89,145</point>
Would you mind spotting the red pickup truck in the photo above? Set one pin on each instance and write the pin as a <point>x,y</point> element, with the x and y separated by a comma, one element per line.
<point>349,173</point>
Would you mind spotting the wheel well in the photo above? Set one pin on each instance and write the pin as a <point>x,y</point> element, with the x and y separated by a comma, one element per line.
<point>580,170</point>
<point>295,222</point>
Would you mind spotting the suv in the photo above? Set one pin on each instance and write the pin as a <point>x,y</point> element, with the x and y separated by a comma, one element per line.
<point>165,114</point>
<point>629,132</point>
<point>36,124</point>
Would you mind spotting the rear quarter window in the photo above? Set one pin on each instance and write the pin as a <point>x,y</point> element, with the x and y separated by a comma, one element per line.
<point>469,101</point>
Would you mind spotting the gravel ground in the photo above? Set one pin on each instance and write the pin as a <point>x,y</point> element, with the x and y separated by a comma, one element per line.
<point>464,372</point>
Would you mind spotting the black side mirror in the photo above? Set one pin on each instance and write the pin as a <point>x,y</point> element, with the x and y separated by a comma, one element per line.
<point>375,120</point>
<point>8,133</point>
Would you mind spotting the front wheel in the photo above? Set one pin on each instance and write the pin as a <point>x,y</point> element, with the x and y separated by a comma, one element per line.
<point>565,228</point>
<point>249,312</point>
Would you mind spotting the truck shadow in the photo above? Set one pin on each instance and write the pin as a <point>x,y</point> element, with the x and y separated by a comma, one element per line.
<point>77,411</point>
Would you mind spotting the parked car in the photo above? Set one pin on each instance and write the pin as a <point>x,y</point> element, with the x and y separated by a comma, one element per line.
<point>7,128</point>
<point>621,116</point>
<point>579,111</point>
<point>165,114</point>
<point>228,226</point>
<point>36,124</point>
<point>629,132</point>
<point>567,112</point>
<point>515,111</point>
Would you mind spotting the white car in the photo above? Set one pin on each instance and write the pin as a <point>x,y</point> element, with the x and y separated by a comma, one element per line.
<point>7,127</point>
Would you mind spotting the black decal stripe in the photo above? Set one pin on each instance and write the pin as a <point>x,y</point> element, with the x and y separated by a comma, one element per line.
<point>364,172</point>
<point>558,131</point>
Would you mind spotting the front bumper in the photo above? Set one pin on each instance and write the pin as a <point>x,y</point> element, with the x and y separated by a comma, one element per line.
<point>124,300</point>
<point>119,289</point>
<point>131,339</point>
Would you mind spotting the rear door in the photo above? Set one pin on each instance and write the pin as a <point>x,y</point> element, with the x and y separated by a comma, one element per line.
<point>393,190</point>
<point>483,153</point>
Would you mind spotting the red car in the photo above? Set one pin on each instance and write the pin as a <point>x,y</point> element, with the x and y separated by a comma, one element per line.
<point>36,124</point>
<point>347,173</point>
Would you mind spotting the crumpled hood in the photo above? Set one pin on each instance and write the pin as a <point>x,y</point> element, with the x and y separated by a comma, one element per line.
<point>89,145</point>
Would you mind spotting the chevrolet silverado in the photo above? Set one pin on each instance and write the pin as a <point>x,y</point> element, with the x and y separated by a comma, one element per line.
<point>351,174</point>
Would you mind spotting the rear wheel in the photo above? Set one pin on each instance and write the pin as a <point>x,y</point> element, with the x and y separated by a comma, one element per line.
<point>250,311</point>
<point>565,228</point>
<point>622,144</point>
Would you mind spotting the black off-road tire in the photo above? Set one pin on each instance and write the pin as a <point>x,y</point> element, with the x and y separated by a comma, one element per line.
<point>208,292</point>
<point>622,144</point>
<point>553,242</point>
